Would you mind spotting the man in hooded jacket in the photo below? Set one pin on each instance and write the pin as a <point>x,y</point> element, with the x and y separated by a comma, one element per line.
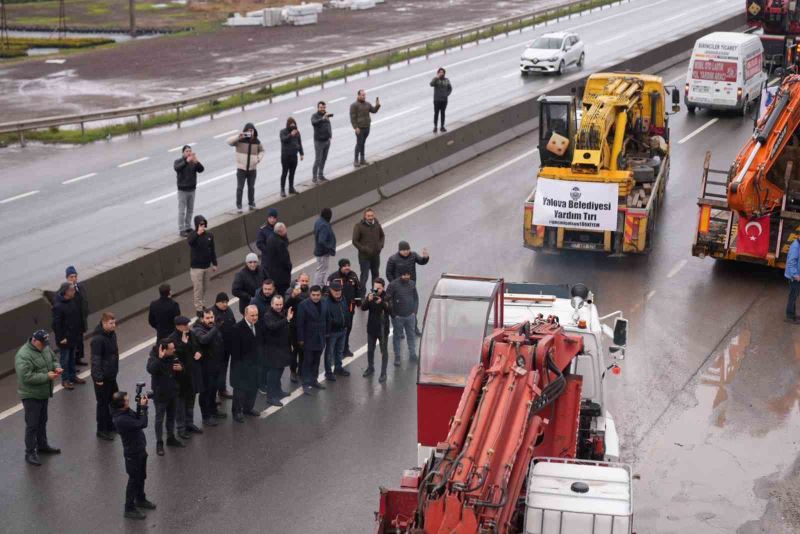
<point>68,326</point>
<point>249,153</point>
<point>324,245</point>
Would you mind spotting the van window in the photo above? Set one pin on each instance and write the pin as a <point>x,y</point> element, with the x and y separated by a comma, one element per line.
<point>714,71</point>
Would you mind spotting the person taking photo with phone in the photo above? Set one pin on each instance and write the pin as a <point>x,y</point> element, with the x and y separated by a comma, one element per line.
<point>291,146</point>
<point>249,153</point>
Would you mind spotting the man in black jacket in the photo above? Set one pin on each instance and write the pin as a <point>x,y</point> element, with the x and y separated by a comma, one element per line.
<point>278,263</point>
<point>190,381</point>
<point>405,260</point>
<point>263,234</point>
<point>83,304</point>
<point>131,427</point>
<point>311,337</point>
<point>403,303</point>
<point>67,326</point>
<point>276,349</point>
<point>105,365</point>
<point>208,332</point>
<point>294,296</point>
<point>246,354</point>
<point>223,315</point>
<point>164,368</point>
<point>247,281</point>
<point>441,92</point>
<point>203,261</point>
<point>377,328</point>
<point>351,292</point>
<point>186,168</point>
<point>334,316</point>
<point>163,311</point>
<point>321,122</point>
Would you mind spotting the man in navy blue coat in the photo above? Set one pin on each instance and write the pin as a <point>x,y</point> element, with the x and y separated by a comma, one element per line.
<point>311,336</point>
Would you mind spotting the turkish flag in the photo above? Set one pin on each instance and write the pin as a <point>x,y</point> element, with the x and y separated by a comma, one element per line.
<point>753,237</point>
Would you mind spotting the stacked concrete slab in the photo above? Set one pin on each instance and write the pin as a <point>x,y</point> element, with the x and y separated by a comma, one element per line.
<point>302,15</point>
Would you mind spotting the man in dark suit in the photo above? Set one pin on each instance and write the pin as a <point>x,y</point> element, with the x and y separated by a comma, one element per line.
<point>311,336</point>
<point>247,341</point>
<point>163,311</point>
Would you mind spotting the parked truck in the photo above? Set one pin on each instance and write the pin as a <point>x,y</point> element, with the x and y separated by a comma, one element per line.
<point>602,178</point>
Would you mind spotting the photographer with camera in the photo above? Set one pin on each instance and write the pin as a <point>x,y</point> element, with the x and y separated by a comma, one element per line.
<point>377,327</point>
<point>323,133</point>
<point>105,366</point>
<point>291,146</point>
<point>164,367</point>
<point>208,332</point>
<point>249,153</point>
<point>130,426</point>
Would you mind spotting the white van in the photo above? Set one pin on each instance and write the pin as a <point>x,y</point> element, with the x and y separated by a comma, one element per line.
<point>725,72</point>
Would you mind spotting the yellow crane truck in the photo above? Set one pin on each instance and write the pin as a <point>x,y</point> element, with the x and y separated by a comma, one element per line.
<point>602,175</point>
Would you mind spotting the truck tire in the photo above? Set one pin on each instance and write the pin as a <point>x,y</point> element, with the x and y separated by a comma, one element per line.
<point>690,108</point>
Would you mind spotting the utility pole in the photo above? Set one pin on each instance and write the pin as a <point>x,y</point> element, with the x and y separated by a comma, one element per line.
<point>62,20</point>
<point>132,14</point>
<point>3,26</point>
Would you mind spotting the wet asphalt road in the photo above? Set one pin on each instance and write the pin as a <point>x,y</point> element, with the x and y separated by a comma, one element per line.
<point>707,404</point>
<point>88,204</point>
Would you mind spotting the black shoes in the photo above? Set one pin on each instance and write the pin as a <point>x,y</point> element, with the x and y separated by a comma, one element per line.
<point>330,377</point>
<point>321,179</point>
<point>146,505</point>
<point>80,362</point>
<point>238,418</point>
<point>183,435</point>
<point>348,352</point>
<point>253,413</point>
<point>210,422</point>
<point>443,129</point>
<point>308,390</point>
<point>173,442</point>
<point>33,458</point>
<point>317,385</point>
<point>293,191</point>
<point>193,428</point>
<point>135,514</point>
<point>435,129</point>
<point>220,415</point>
<point>397,362</point>
<point>382,378</point>
<point>283,193</point>
<point>49,450</point>
<point>251,207</point>
<point>341,372</point>
<point>369,371</point>
<point>294,378</point>
<point>160,448</point>
<point>107,436</point>
<point>275,402</point>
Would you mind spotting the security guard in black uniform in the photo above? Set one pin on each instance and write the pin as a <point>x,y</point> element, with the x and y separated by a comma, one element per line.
<point>130,425</point>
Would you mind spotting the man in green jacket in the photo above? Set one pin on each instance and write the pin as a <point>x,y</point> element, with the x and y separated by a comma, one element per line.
<point>37,368</point>
<point>361,120</point>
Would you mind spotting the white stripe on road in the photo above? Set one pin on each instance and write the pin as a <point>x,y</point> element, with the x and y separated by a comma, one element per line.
<point>79,178</point>
<point>23,195</point>
<point>133,162</point>
<point>223,134</point>
<point>650,295</point>
<point>266,121</point>
<point>199,184</point>
<point>398,114</point>
<point>178,148</point>
<point>697,131</point>
<point>309,108</point>
<point>617,38</point>
<point>337,100</point>
<point>511,75</point>
<point>675,270</point>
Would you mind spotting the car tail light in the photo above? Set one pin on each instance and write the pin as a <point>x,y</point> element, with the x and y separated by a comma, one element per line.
<point>686,89</point>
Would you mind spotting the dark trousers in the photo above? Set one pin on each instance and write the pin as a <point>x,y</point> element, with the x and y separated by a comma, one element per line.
<point>794,292</point>
<point>243,400</point>
<point>274,389</point>
<point>320,157</point>
<point>102,395</point>
<point>334,351</point>
<point>35,424</point>
<point>311,366</point>
<point>349,328</point>
<point>136,467</point>
<point>367,266</point>
<point>79,351</point>
<point>288,166</point>
<point>184,411</point>
<point>208,398</point>
<point>297,357</point>
<point>165,409</point>
<point>361,141</point>
<point>250,178</point>
<point>222,377</point>
<point>383,341</point>
<point>438,109</point>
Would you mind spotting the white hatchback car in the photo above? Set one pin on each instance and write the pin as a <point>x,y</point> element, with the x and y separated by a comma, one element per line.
<point>552,52</point>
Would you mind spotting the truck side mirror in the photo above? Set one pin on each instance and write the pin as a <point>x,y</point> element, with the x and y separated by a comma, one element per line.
<point>620,332</point>
<point>676,100</point>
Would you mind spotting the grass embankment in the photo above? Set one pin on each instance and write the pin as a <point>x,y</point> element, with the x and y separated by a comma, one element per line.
<point>18,46</point>
<point>56,135</point>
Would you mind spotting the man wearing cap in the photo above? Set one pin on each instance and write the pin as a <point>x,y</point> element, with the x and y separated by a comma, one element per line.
<point>403,303</point>
<point>186,168</point>
<point>246,355</point>
<point>83,305</point>
<point>37,368</point>
<point>247,281</point>
<point>163,311</point>
<point>324,245</point>
<point>351,291</point>
<point>224,316</point>
<point>190,381</point>
<point>263,234</point>
<point>405,260</point>
<point>203,261</point>
<point>334,316</point>
<point>67,326</point>
<point>105,366</point>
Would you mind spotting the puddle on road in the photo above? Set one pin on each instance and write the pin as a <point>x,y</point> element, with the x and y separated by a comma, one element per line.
<point>719,375</point>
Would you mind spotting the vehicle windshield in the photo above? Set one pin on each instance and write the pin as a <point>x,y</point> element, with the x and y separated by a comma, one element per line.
<point>547,43</point>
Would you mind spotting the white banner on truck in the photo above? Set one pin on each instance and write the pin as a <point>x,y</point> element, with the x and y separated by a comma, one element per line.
<point>579,205</point>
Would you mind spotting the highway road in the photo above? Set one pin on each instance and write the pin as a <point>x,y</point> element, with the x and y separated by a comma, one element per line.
<point>86,204</point>
<point>707,403</point>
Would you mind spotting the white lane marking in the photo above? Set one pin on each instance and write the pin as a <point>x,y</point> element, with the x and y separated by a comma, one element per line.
<point>199,184</point>
<point>511,75</point>
<point>309,108</point>
<point>178,148</point>
<point>398,114</point>
<point>23,195</point>
<point>650,295</point>
<point>79,178</point>
<point>266,121</point>
<point>132,162</point>
<point>223,134</point>
<point>697,131</point>
<point>675,270</point>
<point>337,100</point>
<point>617,38</point>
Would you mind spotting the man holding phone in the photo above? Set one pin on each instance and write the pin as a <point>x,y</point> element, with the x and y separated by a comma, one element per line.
<point>361,120</point>
<point>203,261</point>
<point>321,122</point>
<point>37,368</point>
<point>186,168</point>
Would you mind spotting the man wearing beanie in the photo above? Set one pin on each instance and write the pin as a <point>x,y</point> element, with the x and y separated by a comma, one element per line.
<point>224,316</point>
<point>203,261</point>
<point>247,281</point>
<point>405,260</point>
<point>263,235</point>
<point>324,245</point>
<point>83,304</point>
<point>351,294</point>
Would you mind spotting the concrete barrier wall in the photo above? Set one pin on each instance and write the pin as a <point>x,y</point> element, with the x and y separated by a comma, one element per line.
<point>127,284</point>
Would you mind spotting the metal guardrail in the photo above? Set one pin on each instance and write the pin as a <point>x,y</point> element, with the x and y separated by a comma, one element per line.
<point>456,37</point>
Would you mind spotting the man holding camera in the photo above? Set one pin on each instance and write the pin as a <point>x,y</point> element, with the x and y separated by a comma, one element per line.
<point>186,168</point>
<point>249,153</point>
<point>164,367</point>
<point>130,426</point>
<point>37,368</point>
<point>208,332</point>
<point>105,365</point>
<point>377,328</point>
<point>321,122</point>
<point>361,120</point>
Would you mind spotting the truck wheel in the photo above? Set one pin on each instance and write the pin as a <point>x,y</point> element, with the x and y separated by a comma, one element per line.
<point>690,109</point>
<point>560,68</point>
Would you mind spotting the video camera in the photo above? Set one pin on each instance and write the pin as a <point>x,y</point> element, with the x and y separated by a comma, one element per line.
<point>139,387</point>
